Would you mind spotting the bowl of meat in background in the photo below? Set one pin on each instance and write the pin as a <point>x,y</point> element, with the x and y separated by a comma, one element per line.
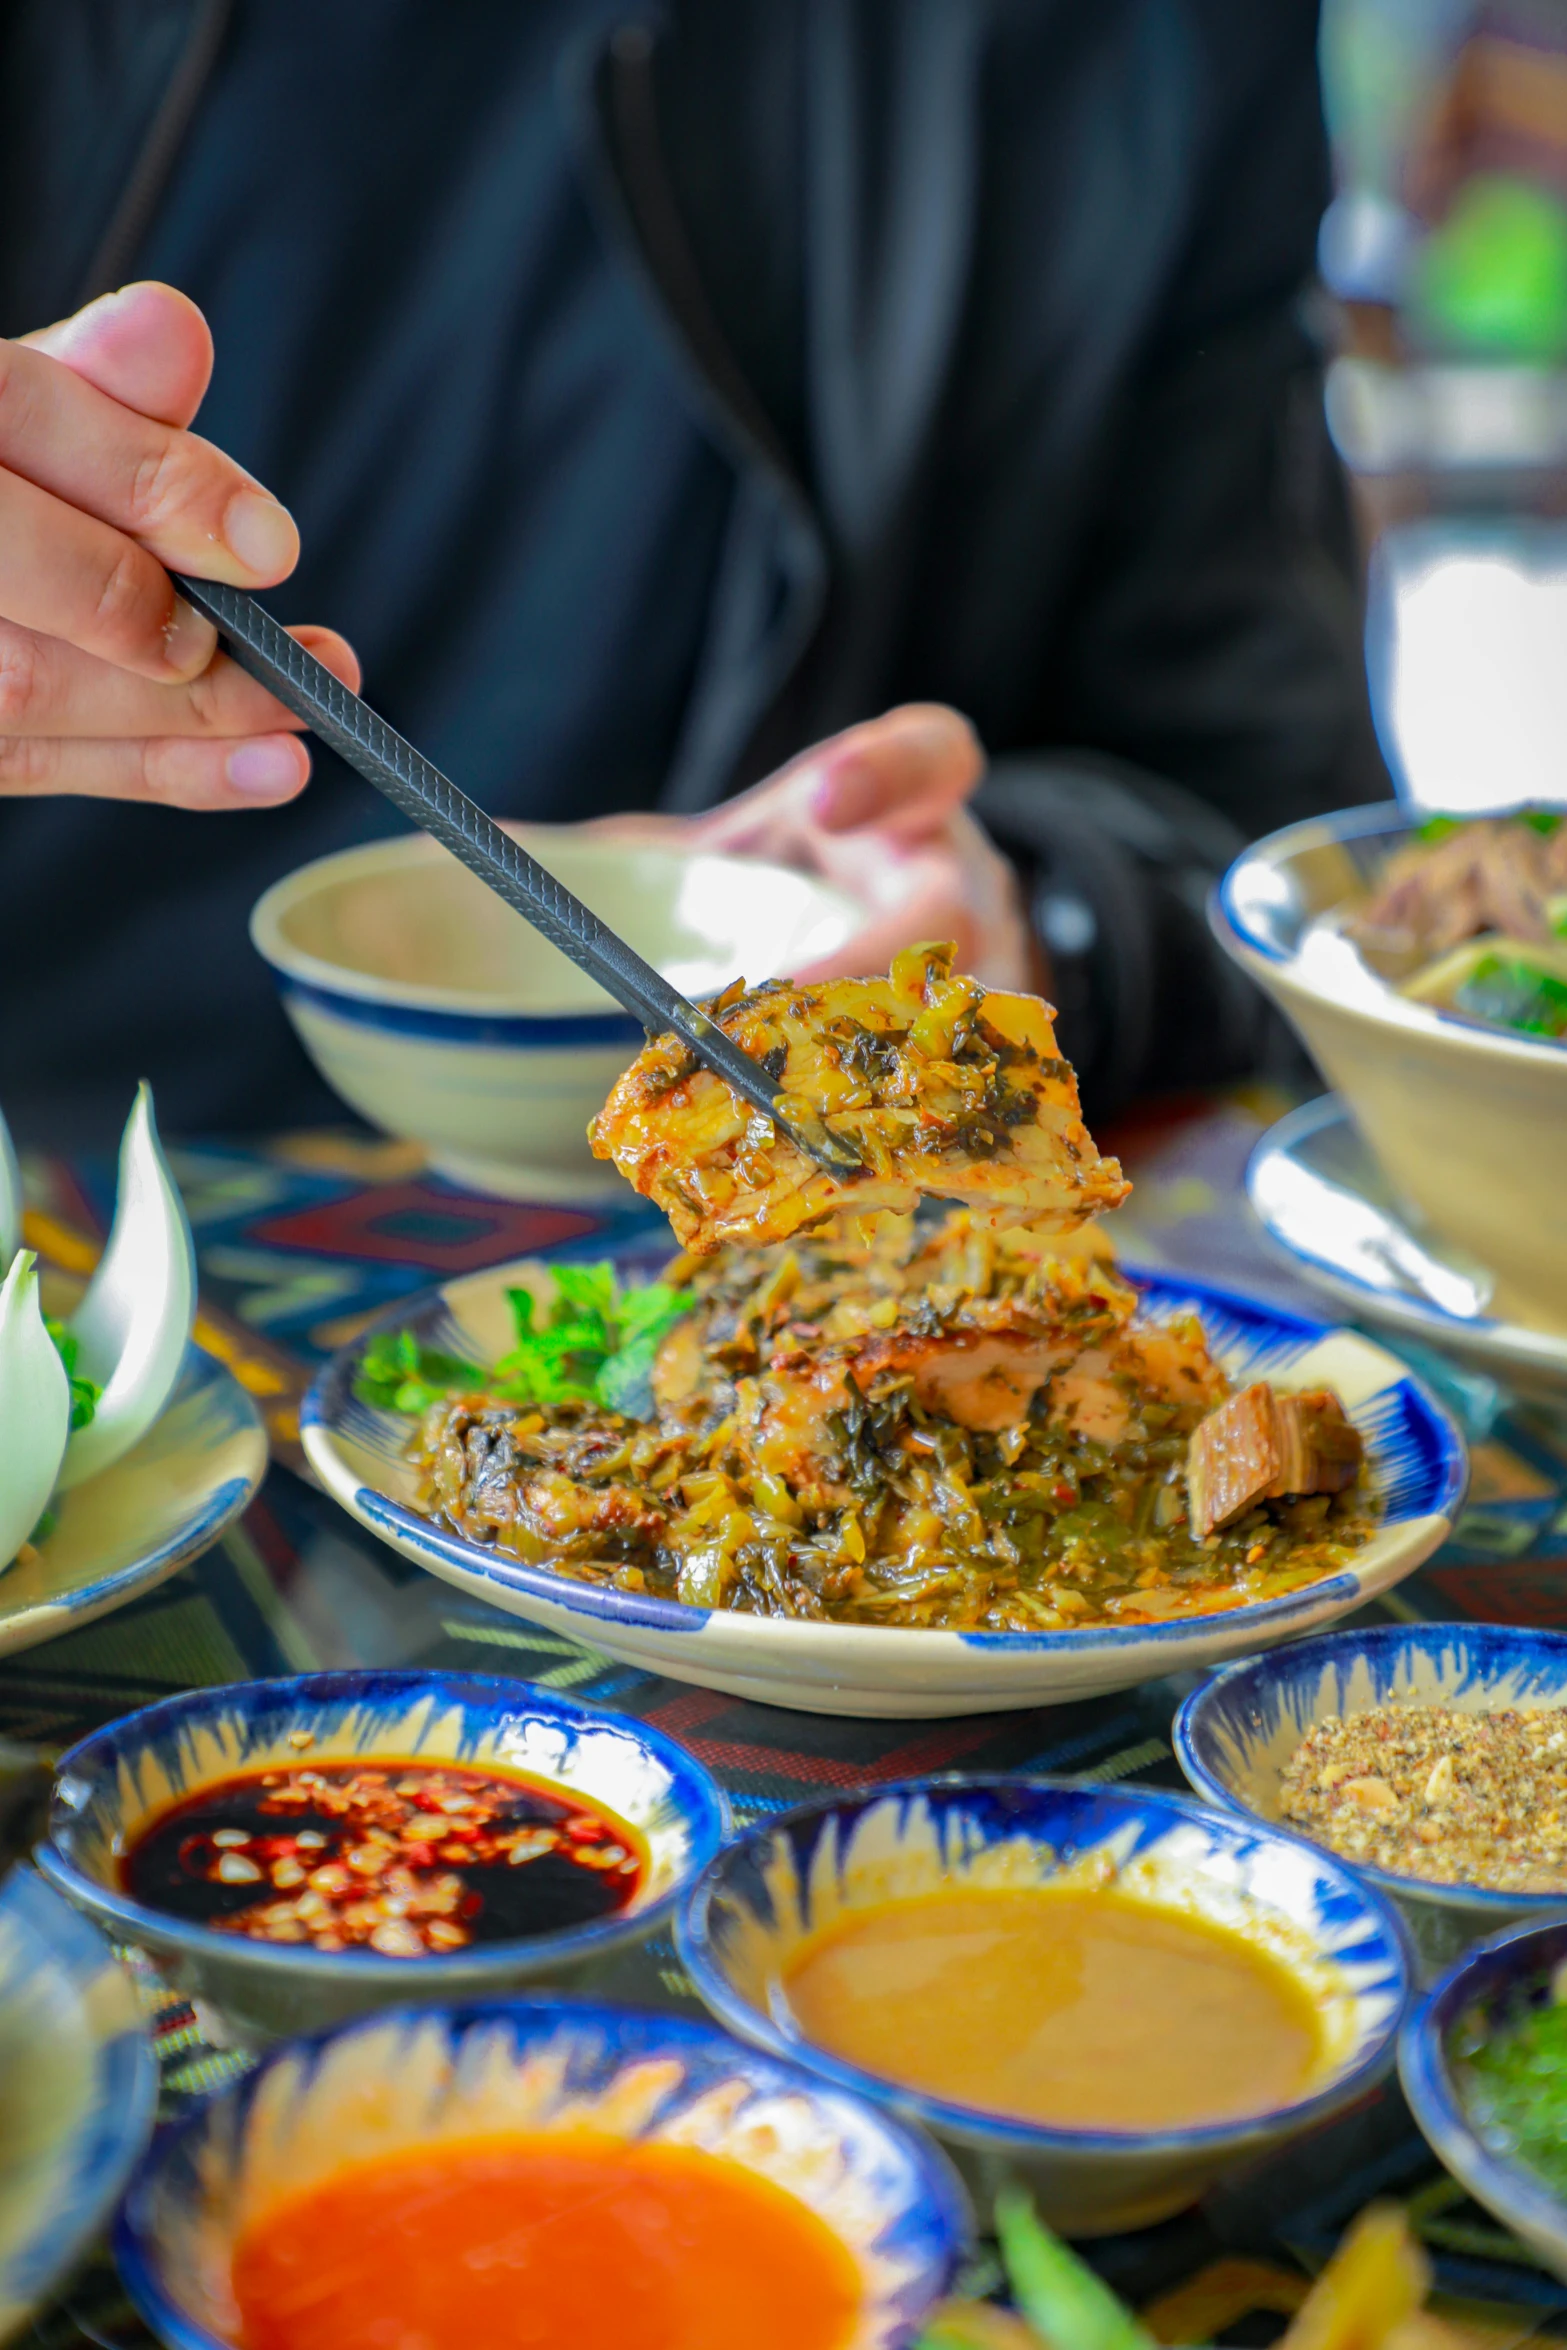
<point>1467,1117</point>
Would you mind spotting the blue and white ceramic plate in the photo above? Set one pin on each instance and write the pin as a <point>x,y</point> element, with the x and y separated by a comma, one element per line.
<point>162,1505</point>
<point>1322,1198</point>
<point>1498,1978</point>
<point>403,2081</point>
<point>81,2085</point>
<point>786,1879</point>
<point>1235,1734</point>
<point>111,1784</point>
<point>1416,1455</point>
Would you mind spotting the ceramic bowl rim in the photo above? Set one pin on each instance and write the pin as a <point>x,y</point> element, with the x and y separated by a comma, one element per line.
<point>702,1801</point>
<point>940,2192</point>
<point>1482,1335</point>
<point>293,965</point>
<point>1209,1789</point>
<point>693,1942</point>
<point>651,1613</point>
<point>1426,2081</point>
<point>1281,968</point>
<point>123,2139</point>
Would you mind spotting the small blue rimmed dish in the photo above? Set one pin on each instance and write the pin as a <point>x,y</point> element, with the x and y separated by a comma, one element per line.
<point>1496,1980</point>
<point>758,1904</point>
<point>81,2085</point>
<point>121,1779</point>
<point>417,2079</point>
<point>1235,1734</point>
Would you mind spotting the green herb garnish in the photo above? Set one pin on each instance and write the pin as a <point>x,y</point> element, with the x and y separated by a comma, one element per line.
<point>1515,2086</point>
<point>1065,2303</point>
<point>84,1392</point>
<point>595,1343</point>
<point>1513,993</point>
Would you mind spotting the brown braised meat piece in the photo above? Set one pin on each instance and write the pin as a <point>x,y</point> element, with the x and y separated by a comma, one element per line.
<point>1495,873</point>
<point>1260,1446</point>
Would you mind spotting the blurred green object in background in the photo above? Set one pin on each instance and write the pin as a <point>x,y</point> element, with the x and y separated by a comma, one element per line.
<point>1493,277</point>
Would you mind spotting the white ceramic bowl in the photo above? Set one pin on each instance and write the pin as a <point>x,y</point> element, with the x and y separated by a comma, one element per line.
<point>1470,1124</point>
<point>766,1893</point>
<point>81,2085</point>
<point>406,2082</point>
<point>1417,1459</point>
<point>440,1016</point>
<point>111,1784</point>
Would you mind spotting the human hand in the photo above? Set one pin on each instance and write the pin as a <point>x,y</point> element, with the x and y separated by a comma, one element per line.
<point>879,811</point>
<point>110,684</point>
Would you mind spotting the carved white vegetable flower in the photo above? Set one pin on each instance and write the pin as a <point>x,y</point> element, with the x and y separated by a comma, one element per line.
<point>75,1398</point>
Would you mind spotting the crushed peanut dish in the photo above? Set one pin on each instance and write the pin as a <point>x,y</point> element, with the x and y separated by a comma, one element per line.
<point>405,1860</point>
<point>1426,1791</point>
<point>915,1426</point>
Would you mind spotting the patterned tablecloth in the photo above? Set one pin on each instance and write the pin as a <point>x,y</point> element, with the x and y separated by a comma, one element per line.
<point>301,1243</point>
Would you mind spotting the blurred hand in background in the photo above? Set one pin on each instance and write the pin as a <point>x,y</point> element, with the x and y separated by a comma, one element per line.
<point>880,811</point>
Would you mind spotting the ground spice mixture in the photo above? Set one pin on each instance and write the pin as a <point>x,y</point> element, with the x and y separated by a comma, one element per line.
<point>1457,1798</point>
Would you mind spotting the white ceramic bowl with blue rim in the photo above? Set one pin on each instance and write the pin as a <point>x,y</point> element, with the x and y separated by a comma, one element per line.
<point>1417,1461</point>
<point>121,1778</point>
<point>1235,1735</point>
<point>1494,1980</point>
<point>766,1893</point>
<point>408,2080</point>
<point>81,2087</point>
<point>444,1019</point>
<point>161,1505</point>
<point>1469,1124</point>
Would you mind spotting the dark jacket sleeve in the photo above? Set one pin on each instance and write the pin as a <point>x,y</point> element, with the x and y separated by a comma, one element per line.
<point>1211,658</point>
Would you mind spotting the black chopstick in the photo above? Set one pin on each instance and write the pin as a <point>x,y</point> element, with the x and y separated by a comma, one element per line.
<point>380,754</point>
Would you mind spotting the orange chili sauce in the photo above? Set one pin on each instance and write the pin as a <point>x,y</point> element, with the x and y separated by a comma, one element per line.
<point>540,2242</point>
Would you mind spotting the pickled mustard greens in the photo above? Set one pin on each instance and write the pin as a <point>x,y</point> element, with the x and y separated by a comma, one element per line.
<point>1513,2078</point>
<point>936,1426</point>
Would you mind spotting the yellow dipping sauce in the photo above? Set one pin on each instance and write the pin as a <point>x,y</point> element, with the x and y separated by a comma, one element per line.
<point>1084,2010</point>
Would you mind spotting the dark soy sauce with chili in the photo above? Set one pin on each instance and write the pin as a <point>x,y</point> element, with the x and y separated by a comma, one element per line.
<point>407,1860</point>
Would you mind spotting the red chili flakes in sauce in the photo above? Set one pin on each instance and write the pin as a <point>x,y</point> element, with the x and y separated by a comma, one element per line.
<point>408,1860</point>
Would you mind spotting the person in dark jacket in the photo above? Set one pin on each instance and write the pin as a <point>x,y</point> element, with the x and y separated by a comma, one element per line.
<point>658,395</point>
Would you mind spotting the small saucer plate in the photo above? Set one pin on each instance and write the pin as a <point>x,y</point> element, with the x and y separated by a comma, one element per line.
<point>1321,1198</point>
<point>163,1504</point>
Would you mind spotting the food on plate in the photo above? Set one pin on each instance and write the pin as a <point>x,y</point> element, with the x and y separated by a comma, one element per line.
<point>1369,2295</point>
<point>928,1426</point>
<point>1261,1446</point>
<point>520,2241</point>
<point>1471,916</point>
<point>1088,2009</point>
<point>1512,2076</point>
<point>941,1085</point>
<point>407,1860</point>
<point>76,1396</point>
<point>1428,1791</point>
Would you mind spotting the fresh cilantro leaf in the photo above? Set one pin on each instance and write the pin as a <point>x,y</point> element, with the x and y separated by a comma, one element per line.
<point>595,1344</point>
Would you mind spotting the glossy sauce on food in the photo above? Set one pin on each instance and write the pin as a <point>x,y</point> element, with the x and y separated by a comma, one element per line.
<point>570,2242</point>
<point>402,1859</point>
<point>1079,2009</point>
